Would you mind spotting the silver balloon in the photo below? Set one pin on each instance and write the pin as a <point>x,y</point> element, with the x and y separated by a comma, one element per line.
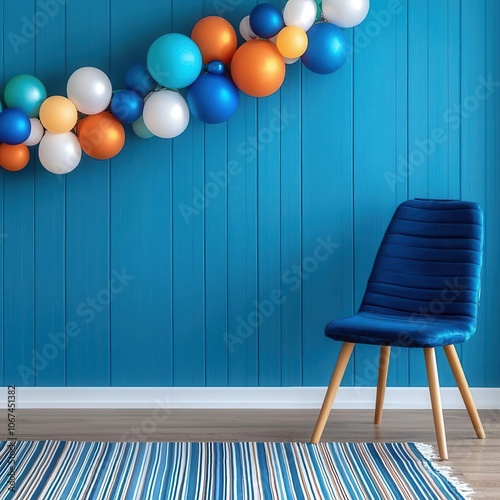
<point>60,153</point>
<point>345,13</point>
<point>166,114</point>
<point>301,13</point>
<point>245,30</point>
<point>90,90</point>
<point>36,133</point>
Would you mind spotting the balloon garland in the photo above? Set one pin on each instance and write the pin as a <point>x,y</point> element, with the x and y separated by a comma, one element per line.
<point>209,64</point>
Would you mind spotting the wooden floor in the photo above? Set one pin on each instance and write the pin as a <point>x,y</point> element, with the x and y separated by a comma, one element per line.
<point>475,461</point>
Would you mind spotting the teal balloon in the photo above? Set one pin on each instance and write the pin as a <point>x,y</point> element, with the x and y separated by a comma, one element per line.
<point>174,61</point>
<point>319,11</point>
<point>140,129</point>
<point>25,92</point>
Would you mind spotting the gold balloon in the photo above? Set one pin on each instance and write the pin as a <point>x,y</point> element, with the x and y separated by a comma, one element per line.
<point>292,42</point>
<point>58,114</point>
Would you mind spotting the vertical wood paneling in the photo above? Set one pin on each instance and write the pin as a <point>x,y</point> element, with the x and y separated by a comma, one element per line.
<point>379,152</point>
<point>141,221</point>
<point>87,230</point>
<point>400,357</point>
<point>418,131</point>
<point>291,226</point>
<point>50,218</point>
<point>20,364</point>
<point>492,242</point>
<point>242,338</point>
<point>188,237</point>
<point>326,215</point>
<point>326,157</point>
<point>217,177</point>
<point>474,167</point>
<point>269,242</point>
<point>440,167</point>
<point>432,127</point>
<point>242,246</point>
<point>451,126</point>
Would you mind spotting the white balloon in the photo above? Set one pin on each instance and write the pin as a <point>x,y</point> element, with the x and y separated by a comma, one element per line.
<point>345,13</point>
<point>36,133</point>
<point>291,61</point>
<point>245,30</point>
<point>166,114</point>
<point>60,153</point>
<point>301,13</point>
<point>90,90</point>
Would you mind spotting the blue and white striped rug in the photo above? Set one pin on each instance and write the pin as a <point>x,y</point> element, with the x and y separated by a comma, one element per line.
<point>221,471</point>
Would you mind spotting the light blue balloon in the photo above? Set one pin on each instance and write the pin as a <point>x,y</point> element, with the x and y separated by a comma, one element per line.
<point>174,61</point>
<point>140,129</point>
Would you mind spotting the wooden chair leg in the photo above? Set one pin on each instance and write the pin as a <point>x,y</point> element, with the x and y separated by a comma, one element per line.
<point>383,368</point>
<point>338,373</point>
<point>437,410</point>
<point>463,386</point>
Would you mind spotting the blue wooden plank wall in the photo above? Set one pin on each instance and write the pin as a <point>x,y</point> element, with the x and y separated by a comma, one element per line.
<point>216,258</point>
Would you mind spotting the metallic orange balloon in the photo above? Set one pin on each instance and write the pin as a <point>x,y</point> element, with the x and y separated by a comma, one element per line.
<point>101,136</point>
<point>257,68</point>
<point>216,39</point>
<point>14,158</point>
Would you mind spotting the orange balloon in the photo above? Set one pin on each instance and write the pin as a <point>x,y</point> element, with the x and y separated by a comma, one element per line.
<point>257,68</point>
<point>14,158</point>
<point>101,136</point>
<point>216,39</point>
<point>58,114</point>
<point>292,42</point>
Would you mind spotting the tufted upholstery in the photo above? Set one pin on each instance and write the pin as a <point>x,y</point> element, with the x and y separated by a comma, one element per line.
<point>424,287</point>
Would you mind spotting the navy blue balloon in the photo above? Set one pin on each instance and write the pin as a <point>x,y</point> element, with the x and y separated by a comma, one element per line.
<point>137,78</point>
<point>326,49</point>
<point>213,98</point>
<point>127,105</point>
<point>266,20</point>
<point>216,67</point>
<point>15,126</point>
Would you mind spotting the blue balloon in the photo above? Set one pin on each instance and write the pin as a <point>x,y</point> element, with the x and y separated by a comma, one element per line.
<point>127,105</point>
<point>213,98</point>
<point>216,67</point>
<point>15,126</point>
<point>137,78</point>
<point>174,61</point>
<point>326,50</point>
<point>266,20</point>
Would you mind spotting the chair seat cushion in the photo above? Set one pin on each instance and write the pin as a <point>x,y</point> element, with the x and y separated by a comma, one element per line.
<point>401,330</point>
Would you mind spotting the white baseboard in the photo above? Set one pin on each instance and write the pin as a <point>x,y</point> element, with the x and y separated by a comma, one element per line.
<point>238,397</point>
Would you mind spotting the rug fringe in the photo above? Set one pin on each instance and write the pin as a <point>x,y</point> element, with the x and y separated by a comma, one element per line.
<point>430,454</point>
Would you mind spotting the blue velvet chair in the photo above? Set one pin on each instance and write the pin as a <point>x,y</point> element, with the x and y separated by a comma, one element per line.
<point>423,292</point>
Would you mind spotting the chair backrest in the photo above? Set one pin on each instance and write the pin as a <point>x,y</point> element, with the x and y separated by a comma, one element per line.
<point>429,261</point>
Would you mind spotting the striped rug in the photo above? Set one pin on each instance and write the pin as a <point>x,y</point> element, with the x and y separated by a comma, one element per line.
<point>219,471</point>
